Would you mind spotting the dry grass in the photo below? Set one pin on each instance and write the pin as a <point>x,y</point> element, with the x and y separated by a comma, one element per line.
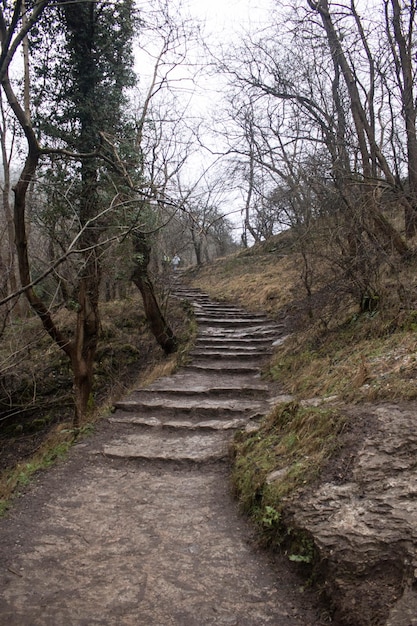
<point>362,361</point>
<point>336,351</point>
<point>153,372</point>
<point>264,282</point>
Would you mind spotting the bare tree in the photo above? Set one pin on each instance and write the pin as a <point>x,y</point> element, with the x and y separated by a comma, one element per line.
<point>400,27</point>
<point>8,281</point>
<point>319,122</point>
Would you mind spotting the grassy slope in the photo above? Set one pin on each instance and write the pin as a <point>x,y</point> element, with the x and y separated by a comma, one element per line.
<point>335,357</point>
<point>358,357</point>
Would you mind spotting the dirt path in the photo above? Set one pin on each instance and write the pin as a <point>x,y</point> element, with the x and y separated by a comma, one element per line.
<point>138,527</point>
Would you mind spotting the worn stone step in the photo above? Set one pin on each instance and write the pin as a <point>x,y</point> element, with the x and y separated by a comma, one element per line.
<point>233,321</point>
<point>216,307</point>
<point>214,343</point>
<point>193,297</point>
<point>230,340</point>
<point>149,422</point>
<point>212,309</point>
<point>254,340</point>
<point>220,353</point>
<point>228,315</point>
<point>227,368</point>
<point>189,291</point>
<point>251,332</point>
<point>202,381</point>
<point>235,346</point>
<point>196,448</point>
<point>198,408</point>
<point>202,392</point>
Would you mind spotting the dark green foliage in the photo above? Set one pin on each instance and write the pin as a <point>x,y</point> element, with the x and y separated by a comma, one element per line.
<point>82,67</point>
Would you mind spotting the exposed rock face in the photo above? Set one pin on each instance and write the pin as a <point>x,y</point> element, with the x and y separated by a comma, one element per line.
<point>366,528</point>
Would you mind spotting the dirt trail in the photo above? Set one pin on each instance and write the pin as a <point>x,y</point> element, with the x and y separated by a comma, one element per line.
<point>138,527</point>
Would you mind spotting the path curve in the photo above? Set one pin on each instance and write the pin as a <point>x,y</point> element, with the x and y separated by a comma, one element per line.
<point>138,527</point>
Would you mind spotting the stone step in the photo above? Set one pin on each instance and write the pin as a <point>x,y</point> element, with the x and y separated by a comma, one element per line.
<point>198,385</point>
<point>219,353</point>
<point>233,321</point>
<point>195,448</point>
<point>227,314</point>
<point>198,408</point>
<point>170,393</point>
<point>235,346</point>
<point>178,424</point>
<point>196,297</point>
<point>233,343</point>
<point>205,318</point>
<point>251,339</point>
<point>186,289</point>
<point>227,368</point>
<point>200,382</point>
<point>244,333</point>
<point>242,337</point>
<point>218,309</point>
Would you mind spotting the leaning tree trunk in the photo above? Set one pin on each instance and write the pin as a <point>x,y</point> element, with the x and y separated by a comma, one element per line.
<point>80,349</point>
<point>159,327</point>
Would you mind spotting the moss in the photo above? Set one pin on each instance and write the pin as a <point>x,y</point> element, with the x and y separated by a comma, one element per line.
<point>285,455</point>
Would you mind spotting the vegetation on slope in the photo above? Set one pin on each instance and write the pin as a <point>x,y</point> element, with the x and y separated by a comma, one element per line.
<point>36,402</point>
<point>332,348</point>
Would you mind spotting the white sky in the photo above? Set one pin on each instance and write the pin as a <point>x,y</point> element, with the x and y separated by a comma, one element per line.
<point>225,17</point>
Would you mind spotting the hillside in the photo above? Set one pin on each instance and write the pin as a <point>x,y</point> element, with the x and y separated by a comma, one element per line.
<point>329,476</point>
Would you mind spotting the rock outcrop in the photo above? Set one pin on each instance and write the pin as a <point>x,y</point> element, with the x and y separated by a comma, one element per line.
<point>365,525</point>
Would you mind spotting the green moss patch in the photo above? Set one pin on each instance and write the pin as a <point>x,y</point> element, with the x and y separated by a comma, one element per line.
<point>271,465</point>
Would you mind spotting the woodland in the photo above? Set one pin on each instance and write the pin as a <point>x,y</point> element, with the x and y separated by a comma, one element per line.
<point>109,170</point>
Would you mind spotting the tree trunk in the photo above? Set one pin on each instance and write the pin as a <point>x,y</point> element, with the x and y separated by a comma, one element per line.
<point>159,327</point>
<point>409,112</point>
<point>83,350</point>
<point>197,244</point>
<point>364,131</point>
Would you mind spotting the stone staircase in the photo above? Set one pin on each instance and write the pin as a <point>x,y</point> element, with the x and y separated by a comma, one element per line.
<point>191,416</point>
<point>138,527</point>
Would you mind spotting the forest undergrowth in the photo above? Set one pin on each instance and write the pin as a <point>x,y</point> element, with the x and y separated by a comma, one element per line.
<point>36,400</point>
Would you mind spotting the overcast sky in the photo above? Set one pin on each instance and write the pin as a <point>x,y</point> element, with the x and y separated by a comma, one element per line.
<point>226,19</point>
